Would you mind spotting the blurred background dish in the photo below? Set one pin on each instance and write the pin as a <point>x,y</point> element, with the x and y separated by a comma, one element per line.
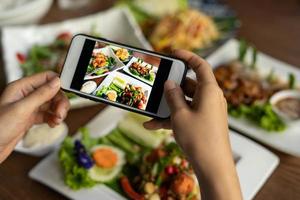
<point>192,27</point>
<point>17,12</point>
<point>253,115</point>
<point>36,48</point>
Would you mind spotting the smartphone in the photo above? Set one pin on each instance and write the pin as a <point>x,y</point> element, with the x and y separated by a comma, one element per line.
<point>120,75</point>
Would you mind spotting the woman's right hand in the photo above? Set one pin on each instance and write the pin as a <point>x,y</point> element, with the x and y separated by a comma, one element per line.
<point>201,129</point>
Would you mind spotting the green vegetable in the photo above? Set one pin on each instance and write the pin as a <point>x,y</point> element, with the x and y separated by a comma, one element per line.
<point>115,185</point>
<point>101,71</point>
<point>102,91</point>
<point>133,129</point>
<point>121,141</point>
<point>139,15</point>
<point>271,76</point>
<point>145,10</point>
<point>114,87</point>
<point>262,115</point>
<point>133,71</point>
<point>75,177</point>
<point>173,150</point>
<point>254,57</point>
<point>152,76</point>
<point>40,52</point>
<point>226,24</point>
<point>31,67</point>
<point>111,61</point>
<point>105,140</point>
<point>78,178</point>
<point>243,50</point>
<point>90,69</point>
<point>86,139</point>
<point>292,81</point>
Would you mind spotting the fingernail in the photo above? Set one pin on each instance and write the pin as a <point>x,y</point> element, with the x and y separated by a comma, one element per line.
<point>55,82</point>
<point>170,85</point>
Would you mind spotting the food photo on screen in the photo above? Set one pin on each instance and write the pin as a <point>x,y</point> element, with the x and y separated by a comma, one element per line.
<point>120,75</point>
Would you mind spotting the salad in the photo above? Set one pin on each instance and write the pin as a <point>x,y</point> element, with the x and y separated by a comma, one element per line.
<point>51,56</point>
<point>121,91</point>
<point>100,63</point>
<point>248,93</point>
<point>143,70</point>
<point>45,57</point>
<point>136,163</point>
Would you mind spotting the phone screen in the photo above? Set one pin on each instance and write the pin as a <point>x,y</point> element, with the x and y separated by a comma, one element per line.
<point>121,75</point>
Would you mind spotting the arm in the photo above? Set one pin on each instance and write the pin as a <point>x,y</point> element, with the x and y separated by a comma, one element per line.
<point>28,101</point>
<point>201,129</point>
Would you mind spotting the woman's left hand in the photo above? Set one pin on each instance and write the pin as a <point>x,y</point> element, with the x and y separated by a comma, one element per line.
<point>31,100</point>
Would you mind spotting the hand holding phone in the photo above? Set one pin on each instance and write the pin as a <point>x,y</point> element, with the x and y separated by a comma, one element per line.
<point>120,75</point>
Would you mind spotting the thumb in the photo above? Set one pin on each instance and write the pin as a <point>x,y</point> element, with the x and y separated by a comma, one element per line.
<point>174,96</point>
<point>42,94</point>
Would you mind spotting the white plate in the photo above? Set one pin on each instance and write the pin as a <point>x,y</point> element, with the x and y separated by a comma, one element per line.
<point>107,81</point>
<point>114,24</point>
<point>287,141</point>
<point>109,53</point>
<point>135,59</point>
<point>255,163</point>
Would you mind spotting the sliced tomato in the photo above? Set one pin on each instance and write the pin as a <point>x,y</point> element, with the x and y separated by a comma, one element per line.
<point>21,58</point>
<point>129,190</point>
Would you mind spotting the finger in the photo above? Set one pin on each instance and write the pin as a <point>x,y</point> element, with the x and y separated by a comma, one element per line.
<point>30,83</point>
<point>152,125</point>
<point>21,88</point>
<point>197,64</point>
<point>46,117</point>
<point>189,87</point>
<point>42,117</point>
<point>174,96</point>
<point>41,95</point>
<point>61,105</point>
<point>155,124</point>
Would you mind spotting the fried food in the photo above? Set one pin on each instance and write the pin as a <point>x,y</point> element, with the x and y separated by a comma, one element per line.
<point>187,29</point>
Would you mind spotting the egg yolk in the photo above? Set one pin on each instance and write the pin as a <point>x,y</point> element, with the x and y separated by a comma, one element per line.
<point>111,96</point>
<point>105,158</point>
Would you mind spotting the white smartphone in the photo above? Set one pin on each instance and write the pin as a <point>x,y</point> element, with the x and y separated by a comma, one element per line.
<point>120,75</point>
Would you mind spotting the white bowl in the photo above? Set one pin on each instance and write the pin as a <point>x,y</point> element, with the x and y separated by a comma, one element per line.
<point>27,13</point>
<point>282,95</point>
<point>42,150</point>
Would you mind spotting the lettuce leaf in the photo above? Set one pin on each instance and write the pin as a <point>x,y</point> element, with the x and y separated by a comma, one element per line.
<point>75,177</point>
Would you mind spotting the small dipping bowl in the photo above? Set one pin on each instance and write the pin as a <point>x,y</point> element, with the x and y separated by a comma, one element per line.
<point>280,96</point>
<point>44,149</point>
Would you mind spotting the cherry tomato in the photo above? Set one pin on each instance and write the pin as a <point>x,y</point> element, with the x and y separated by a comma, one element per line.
<point>64,36</point>
<point>21,58</point>
<point>169,170</point>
